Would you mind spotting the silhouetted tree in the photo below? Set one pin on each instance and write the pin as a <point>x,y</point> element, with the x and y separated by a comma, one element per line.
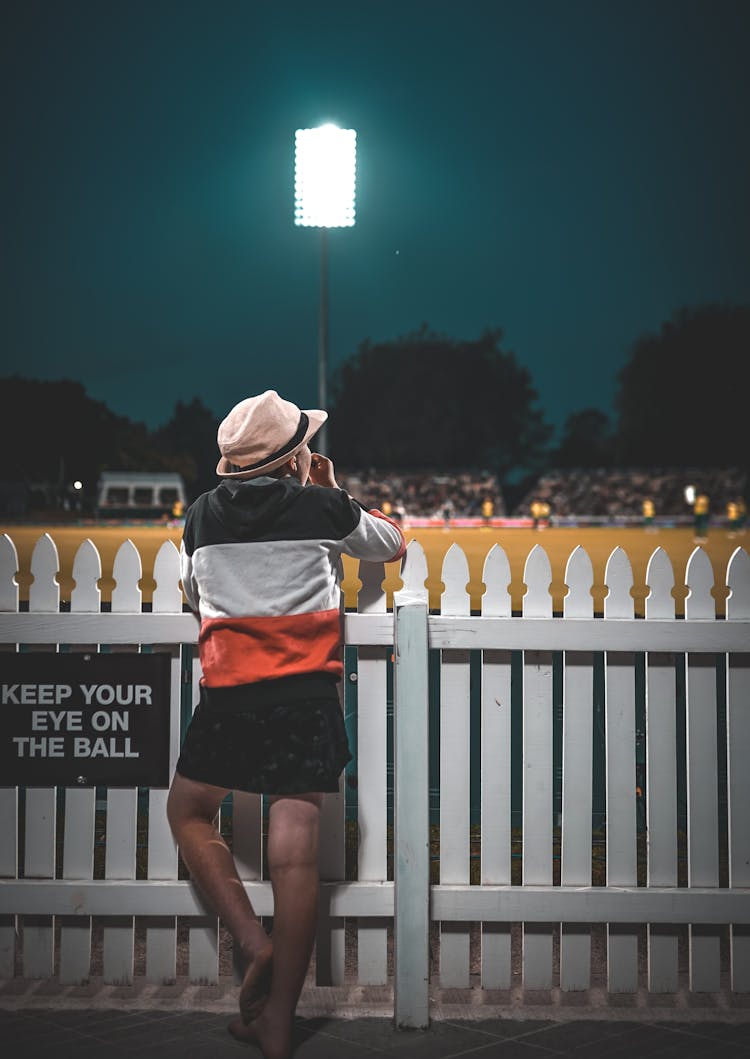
<point>190,438</point>
<point>427,401</point>
<point>587,440</point>
<point>54,432</point>
<point>680,401</point>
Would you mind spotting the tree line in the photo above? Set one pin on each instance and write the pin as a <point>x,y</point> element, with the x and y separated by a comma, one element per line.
<point>52,432</point>
<point>426,401</point>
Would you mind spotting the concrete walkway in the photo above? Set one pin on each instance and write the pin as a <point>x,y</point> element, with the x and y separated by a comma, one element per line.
<point>48,1021</point>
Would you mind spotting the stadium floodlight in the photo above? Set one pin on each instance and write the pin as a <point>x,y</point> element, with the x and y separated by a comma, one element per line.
<point>325,162</point>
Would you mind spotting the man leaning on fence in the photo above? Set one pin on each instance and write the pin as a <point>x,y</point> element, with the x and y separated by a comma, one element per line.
<point>261,566</point>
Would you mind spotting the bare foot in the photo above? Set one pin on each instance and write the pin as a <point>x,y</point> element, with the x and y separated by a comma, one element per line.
<point>256,984</point>
<point>275,1042</point>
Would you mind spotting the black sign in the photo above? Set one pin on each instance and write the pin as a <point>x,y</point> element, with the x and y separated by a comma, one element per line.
<point>82,720</point>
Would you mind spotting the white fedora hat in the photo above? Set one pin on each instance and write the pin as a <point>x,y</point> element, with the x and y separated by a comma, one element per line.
<point>261,433</point>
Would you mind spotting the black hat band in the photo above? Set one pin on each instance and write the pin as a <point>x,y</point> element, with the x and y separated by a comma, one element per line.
<point>289,447</point>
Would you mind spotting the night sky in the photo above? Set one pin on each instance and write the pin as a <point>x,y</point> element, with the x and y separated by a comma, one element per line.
<point>571,172</point>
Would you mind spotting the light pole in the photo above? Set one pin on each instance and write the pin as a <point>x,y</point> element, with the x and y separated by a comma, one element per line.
<point>324,181</point>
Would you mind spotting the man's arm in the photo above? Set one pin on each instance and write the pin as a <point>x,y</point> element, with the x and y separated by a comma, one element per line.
<point>376,537</point>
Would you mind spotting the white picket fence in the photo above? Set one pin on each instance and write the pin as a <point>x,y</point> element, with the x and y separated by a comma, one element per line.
<point>708,912</point>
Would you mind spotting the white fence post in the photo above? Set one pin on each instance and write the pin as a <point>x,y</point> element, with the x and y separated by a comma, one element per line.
<point>411,811</point>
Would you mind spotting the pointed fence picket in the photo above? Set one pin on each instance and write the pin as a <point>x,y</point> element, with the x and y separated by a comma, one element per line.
<point>162,863</point>
<point>619,725</point>
<point>41,806</point>
<point>702,775</point>
<point>330,942</point>
<point>537,771</point>
<point>118,941</point>
<point>80,802</point>
<point>643,884</point>
<point>577,773</point>
<point>661,774</point>
<point>495,772</point>
<point>738,774</point>
<point>372,777</point>
<point>203,930</point>
<point>455,771</point>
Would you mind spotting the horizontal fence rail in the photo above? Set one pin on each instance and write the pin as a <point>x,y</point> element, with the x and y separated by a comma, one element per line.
<point>520,724</point>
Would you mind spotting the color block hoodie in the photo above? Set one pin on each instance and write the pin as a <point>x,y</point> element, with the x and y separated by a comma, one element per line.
<point>261,566</point>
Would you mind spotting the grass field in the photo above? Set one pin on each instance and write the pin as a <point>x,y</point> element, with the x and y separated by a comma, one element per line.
<point>558,543</point>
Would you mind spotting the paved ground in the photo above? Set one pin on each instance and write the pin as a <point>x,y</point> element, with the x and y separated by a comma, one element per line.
<point>89,1034</point>
<point>45,1021</point>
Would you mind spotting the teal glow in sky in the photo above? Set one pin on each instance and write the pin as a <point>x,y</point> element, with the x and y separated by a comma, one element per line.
<point>571,172</point>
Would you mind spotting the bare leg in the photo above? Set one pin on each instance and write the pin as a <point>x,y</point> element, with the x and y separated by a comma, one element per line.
<point>293,863</point>
<point>191,809</point>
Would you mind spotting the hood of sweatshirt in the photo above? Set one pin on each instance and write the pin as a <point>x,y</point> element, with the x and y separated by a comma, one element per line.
<point>247,509</point>
<point>269,509</point>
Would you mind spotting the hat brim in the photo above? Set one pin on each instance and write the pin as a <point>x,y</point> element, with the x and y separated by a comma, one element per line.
<point>317,418</point>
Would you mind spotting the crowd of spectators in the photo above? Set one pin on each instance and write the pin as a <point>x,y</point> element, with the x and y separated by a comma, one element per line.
<point>605,494</point>
<point>620,494</point>
<point>425,494</point>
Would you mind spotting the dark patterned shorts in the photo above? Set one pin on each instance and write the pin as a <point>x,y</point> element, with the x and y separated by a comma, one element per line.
<point>294,748</point>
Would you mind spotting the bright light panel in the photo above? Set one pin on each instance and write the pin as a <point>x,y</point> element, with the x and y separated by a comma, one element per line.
<point>324,177</point>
